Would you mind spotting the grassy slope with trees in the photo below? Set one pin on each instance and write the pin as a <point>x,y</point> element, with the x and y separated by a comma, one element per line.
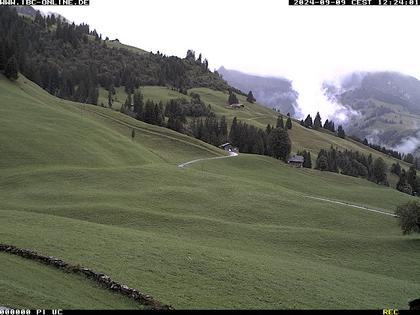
<point>259,116</point>
<point>219,234</point>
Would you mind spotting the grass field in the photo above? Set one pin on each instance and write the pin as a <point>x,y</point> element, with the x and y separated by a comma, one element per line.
<point>229,233</point>
<point>31,284</point>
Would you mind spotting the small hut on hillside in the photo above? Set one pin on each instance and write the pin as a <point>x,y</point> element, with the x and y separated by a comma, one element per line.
<point>296,160</point>
<point>228,147</point>
<point>236,106</point>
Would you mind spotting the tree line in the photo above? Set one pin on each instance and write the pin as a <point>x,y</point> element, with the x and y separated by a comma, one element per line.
<point>408,181</point>
<point>353,163</point>
<point>409,158</point>
<point>328,125</point>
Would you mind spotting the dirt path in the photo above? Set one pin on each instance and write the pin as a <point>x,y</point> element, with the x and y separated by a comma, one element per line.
<point>231,154</point>
<point>381,211</point>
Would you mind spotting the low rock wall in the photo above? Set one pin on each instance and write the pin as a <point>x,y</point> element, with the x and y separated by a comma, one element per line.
<point>98,277</point>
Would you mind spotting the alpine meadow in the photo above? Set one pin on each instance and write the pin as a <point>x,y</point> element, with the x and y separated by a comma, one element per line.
<point>187,191</point>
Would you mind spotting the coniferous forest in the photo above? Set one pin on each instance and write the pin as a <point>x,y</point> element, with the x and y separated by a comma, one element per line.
<point>72,61</point>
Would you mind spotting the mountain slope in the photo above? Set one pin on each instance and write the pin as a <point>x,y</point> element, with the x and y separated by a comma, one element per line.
<point>272,92</point>
<point>388,104</point>
<point>230,233</point>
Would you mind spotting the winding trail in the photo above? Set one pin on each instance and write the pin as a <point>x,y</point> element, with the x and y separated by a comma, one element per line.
<point>381,211</point>
<point>231,154</point>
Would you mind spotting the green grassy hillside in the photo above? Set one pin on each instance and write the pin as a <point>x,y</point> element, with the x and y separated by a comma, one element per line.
<point>29,284</point>
<point>258,115</point>
<point>229,233</point>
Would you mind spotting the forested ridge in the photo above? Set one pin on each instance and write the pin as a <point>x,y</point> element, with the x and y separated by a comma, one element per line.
<point>72,61</point>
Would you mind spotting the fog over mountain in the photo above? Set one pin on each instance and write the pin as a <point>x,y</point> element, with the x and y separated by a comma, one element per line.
<point>273,92</point>
<point>383,107</point>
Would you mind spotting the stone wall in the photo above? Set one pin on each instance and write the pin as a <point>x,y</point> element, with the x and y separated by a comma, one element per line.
<point>98,277</point>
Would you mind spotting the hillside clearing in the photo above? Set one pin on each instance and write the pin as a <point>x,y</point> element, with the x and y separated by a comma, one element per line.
<point>225,233</point>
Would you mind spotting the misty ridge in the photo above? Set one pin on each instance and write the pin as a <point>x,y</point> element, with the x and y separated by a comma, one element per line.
<point>273,92</point>
<point>383,107</point>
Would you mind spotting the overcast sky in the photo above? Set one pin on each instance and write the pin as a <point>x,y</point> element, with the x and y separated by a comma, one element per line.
<point>266,37</point>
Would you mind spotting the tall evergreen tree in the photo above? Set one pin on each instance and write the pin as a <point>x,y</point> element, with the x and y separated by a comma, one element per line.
<point>317,121</point>
<point>149,112</point>
<point>110,98</point>
<point>402,184</point>
<point>223,129</point>
<point>396,169</point>
<point>308,121</point>
<point>11,70</point>
<point>308,161</point>
<point>280,122</point>
<point>379,170</point>
<point>3,57</point>
<point>279,144</point>
<point>322,163</point>
<point>234,132</point>
<point>232,98</point>
<point>250,98</point>
<point>128,102</point>
<point>340,132</point>
<point>138,103</point>
<point>411,178</point>
<point>409,158</point>
<point>289,123</point>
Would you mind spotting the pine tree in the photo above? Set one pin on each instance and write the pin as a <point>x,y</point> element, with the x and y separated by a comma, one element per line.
<point>11,70</point>
<point>250,98</point>
<point>396,169</point>
<point>340,132</point>
<point>322,161</point>
<point>223,129</point>
<point>3,60</point>
<point>148,114</point>
<point>409,158</point>
<point>289,122</point>
<point>279,144</point>
<point>308,121</point>
<point>138,103</point>
<point>317,121</point>
<point>127,103</point>
<point>234,132</point>
<point>379,170</point>
<point>280,122</point>
<point>402,184</point>
<point>110,98</point>
<point>232,98</point>
<point>411,178</point>
<point>268,129</point>
<point>308,161</point>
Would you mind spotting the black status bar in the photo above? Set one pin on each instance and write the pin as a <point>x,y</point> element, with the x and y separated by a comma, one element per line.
<point>43,2</point>
<point>354,2</point>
